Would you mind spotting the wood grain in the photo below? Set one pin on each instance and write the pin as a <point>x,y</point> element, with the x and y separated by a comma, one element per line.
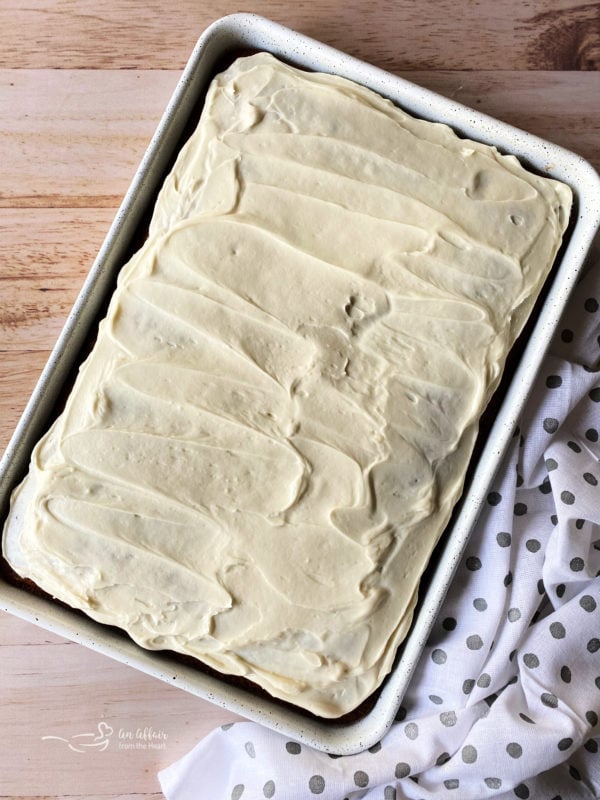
<point>53,687</point>
<point>439,34</point>
<point>82,87</point>
<point>75,137</point>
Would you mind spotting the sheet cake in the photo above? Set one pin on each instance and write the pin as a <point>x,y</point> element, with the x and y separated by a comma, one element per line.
<point>269,436</point>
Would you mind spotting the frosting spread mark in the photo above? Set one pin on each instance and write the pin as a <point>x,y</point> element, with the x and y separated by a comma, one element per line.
<point>269,436</point>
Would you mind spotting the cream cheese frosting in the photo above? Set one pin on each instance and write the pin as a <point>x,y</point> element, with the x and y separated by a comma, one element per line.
<point>275,422</point>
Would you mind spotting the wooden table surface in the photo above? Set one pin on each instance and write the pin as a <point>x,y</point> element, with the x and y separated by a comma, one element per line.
<point>82,86</point>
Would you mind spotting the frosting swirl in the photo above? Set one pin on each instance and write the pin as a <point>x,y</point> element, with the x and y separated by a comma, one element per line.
<point>273,427</point>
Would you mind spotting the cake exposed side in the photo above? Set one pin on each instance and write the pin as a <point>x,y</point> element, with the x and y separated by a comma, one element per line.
<point>269,436</point>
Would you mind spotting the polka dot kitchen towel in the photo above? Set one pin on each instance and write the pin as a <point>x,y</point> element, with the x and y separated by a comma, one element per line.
<point>505,702</point>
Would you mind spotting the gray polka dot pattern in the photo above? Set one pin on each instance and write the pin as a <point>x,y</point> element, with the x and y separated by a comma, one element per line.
<point>565,743</point>
<point>402,770</point>
<point>493,783</point>
<point>361,779</point>
<point>448,718</point>
<point>592,718</point>
<point>514,750</point>
<point>514,656</point>
<point>469,754</point>
<point>316,784</point>
<point>474,642</point>
<point>588,603</point>
<point>549,699</point>
<point>557,629</point>
<point>411,730</point>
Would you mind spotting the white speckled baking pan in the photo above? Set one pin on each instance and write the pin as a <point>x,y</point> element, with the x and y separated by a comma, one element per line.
<point>220,42</point>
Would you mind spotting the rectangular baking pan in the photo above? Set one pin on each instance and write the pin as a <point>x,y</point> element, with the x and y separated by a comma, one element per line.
<point>218,45</point>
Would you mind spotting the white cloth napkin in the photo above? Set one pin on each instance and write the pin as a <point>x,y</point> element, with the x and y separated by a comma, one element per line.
<point>505,702</point>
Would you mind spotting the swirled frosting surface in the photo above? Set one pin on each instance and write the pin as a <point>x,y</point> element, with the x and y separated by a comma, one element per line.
<point>269,436</point>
